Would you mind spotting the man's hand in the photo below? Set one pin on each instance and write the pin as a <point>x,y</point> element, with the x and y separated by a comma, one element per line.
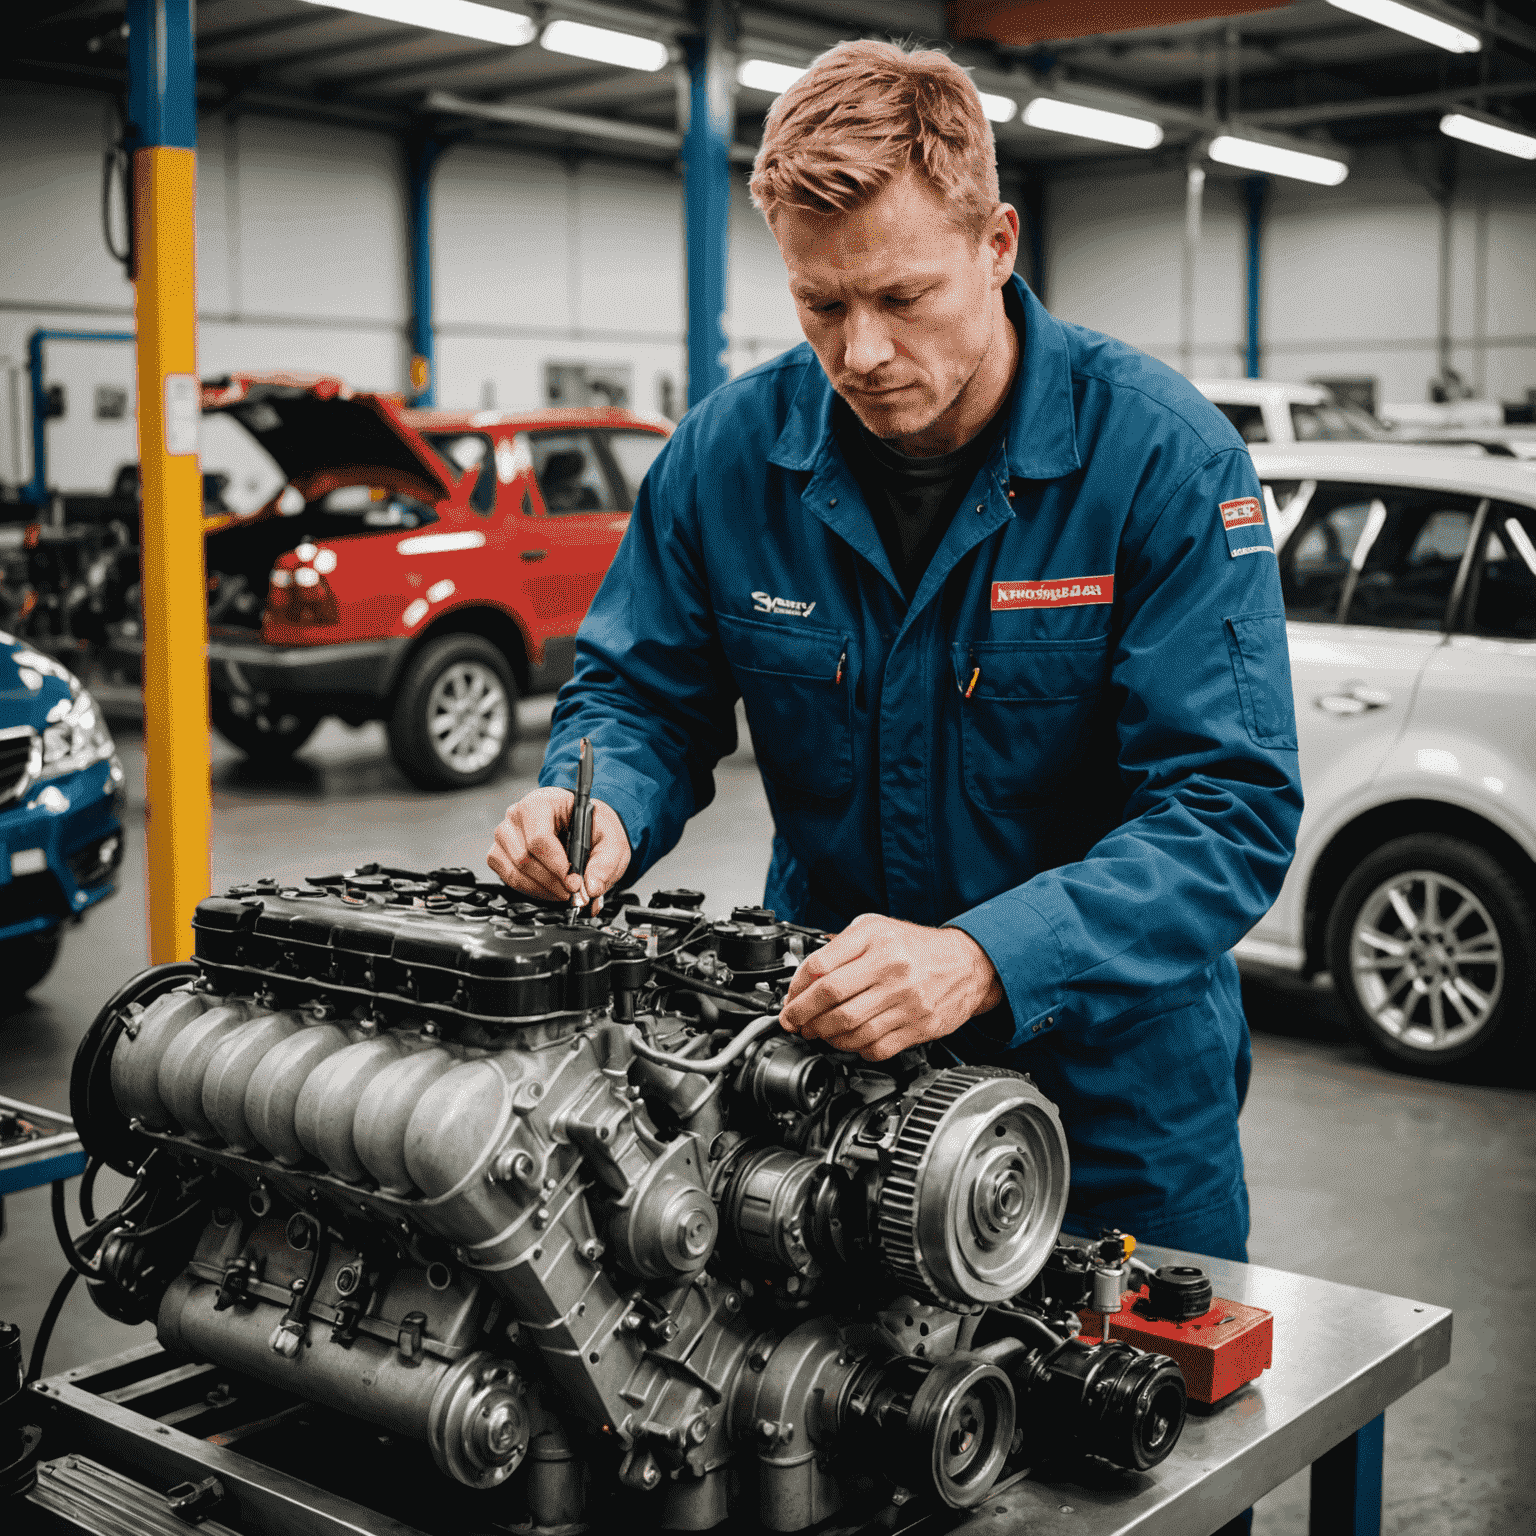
<point>529,849</point>
<point>881,986</point>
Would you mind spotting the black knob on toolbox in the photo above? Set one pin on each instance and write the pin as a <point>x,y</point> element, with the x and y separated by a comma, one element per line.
<point>1179,1292</point>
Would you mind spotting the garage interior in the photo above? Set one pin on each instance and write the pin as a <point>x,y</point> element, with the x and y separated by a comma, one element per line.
<point>504,226</point>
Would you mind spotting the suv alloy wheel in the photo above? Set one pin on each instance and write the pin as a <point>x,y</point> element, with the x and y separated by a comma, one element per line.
<point>1431,945</point>
<point>455,713</point>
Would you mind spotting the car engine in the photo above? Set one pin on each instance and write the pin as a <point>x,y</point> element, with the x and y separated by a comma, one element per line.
<point>563,1200</point>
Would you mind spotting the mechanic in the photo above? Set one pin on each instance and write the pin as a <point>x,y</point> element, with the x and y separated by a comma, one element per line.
<point>999,596</point>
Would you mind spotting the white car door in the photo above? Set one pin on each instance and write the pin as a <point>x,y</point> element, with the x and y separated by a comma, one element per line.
<point>1367,574</point>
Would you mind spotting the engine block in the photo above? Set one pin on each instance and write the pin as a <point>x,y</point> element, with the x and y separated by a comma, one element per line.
<point>565,1202</point>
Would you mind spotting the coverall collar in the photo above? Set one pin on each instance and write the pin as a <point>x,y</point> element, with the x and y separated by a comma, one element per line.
<point>1040,441</point>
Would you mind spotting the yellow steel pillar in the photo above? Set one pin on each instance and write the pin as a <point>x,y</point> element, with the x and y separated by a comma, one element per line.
<point>162,110</point>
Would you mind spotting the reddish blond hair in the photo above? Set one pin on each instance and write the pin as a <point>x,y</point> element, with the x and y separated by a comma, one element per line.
<point>864,113</point>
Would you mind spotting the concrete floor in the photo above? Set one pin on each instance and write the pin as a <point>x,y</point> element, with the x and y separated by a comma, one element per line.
<point>1357,1174</point>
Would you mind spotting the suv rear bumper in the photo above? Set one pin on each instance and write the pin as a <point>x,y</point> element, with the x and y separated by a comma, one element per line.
<point>357,668</point>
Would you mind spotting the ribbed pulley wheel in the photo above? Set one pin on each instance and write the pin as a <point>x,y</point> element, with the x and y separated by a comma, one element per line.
<point>971,1206</point>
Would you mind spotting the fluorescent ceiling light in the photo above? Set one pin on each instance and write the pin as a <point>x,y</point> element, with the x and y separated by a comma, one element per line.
<point>1090,123</point>
<point>1478,130</point>
<point>765,75</point>
<point>1403,18</point>
<point>1253,155</point>
<point>604,46</point>
<point>487,23</point>
<point>999,109</point>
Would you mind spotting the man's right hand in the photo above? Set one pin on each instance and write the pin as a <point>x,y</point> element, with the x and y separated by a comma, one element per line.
<point>529,849</point>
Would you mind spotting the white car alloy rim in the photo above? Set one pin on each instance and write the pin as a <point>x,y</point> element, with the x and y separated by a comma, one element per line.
<point>467,716</point>
<point>1427,960</point>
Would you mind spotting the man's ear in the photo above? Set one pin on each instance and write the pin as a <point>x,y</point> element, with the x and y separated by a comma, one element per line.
<point>1003,239</point>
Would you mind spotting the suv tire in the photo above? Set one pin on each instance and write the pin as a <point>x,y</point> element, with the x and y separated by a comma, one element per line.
<point>24,962</point>
<point>455,713</point>
<point>1454,984</point>
<point>267,727</point>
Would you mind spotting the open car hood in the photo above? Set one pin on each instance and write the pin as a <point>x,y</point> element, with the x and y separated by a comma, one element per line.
<point>309,423</point>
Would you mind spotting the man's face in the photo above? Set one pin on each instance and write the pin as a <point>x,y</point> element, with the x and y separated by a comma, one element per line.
<point>898,304</point>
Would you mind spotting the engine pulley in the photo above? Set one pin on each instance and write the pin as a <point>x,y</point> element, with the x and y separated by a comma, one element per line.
<point>972,1203</point>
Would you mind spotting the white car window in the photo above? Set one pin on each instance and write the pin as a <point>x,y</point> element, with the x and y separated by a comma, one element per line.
<point>1505,601</point>
<point>1385,556</point>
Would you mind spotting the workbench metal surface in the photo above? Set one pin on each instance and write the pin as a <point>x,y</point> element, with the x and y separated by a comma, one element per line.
<point>1341,1357</point>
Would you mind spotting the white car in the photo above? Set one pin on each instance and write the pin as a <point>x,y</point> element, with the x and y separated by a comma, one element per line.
<point>1268,412</point>
<point>1409,577</point>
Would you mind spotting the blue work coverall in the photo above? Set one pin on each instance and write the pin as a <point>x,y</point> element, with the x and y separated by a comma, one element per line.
<point>1076,742</point>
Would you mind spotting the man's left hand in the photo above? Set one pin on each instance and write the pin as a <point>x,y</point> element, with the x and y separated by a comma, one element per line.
<point>882,986</point>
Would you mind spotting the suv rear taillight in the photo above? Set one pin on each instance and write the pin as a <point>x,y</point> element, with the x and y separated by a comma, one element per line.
<point>297,591</point>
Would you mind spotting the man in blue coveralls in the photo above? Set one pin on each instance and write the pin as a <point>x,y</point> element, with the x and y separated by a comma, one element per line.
<point>999,596</point>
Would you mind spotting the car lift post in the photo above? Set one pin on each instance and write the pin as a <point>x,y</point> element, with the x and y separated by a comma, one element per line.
<point>1255,192</point>
<point>423,154</point>
<point>162,113</point>
<point>707,189</point>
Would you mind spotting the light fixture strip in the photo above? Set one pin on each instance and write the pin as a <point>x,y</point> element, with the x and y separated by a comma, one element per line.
<point>1057,116</point>
<point>1478,130</point>
<point>1403,18</point>
<point>1273,159</point>
<point>460,18</point>
<point>766,75</point>
<point>603,45</point>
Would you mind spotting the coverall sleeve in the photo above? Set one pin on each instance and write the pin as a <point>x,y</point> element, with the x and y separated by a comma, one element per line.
<point>1207,751</point>
<point>651,688</point>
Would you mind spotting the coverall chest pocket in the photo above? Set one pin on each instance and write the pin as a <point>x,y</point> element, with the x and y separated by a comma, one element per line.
<point>1025,712</point>
<point>795,683</point>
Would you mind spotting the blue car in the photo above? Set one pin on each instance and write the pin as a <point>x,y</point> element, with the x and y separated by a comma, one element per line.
<point>61,801</point>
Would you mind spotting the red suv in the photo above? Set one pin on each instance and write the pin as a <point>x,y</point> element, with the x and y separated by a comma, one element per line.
<point>420,567</point>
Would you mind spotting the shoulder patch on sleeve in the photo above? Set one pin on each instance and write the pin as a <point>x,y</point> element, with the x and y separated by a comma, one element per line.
<point>1243,523</point>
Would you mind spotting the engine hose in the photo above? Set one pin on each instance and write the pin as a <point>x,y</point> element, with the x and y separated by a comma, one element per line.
<point>711,988</point>
<point>77,1251</point>
<point>708,1065</point>
<point>87,1192</point>
<point>45,1328</point>
<point>66,1242</point>
<point>1046,1337</point>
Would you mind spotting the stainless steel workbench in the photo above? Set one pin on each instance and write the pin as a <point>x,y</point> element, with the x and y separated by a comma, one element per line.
<point>1341,1357</point>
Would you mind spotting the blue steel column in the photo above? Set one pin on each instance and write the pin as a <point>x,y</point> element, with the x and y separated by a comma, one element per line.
<point>425,154</point>
<point>1256,189</point>
<point>707,191</point>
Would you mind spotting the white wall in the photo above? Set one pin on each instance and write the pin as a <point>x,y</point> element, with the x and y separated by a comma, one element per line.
<point>302,264</point>
<point>1351,274</point>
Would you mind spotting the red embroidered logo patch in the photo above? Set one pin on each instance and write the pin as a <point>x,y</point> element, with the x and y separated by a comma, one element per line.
<point>1067,592</point>
<point>1246,509</point>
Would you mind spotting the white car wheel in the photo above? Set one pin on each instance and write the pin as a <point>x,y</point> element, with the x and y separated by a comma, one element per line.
<point>1430,946</point>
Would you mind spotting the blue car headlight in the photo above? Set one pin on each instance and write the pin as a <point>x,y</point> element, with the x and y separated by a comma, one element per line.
<point>75,736</point>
